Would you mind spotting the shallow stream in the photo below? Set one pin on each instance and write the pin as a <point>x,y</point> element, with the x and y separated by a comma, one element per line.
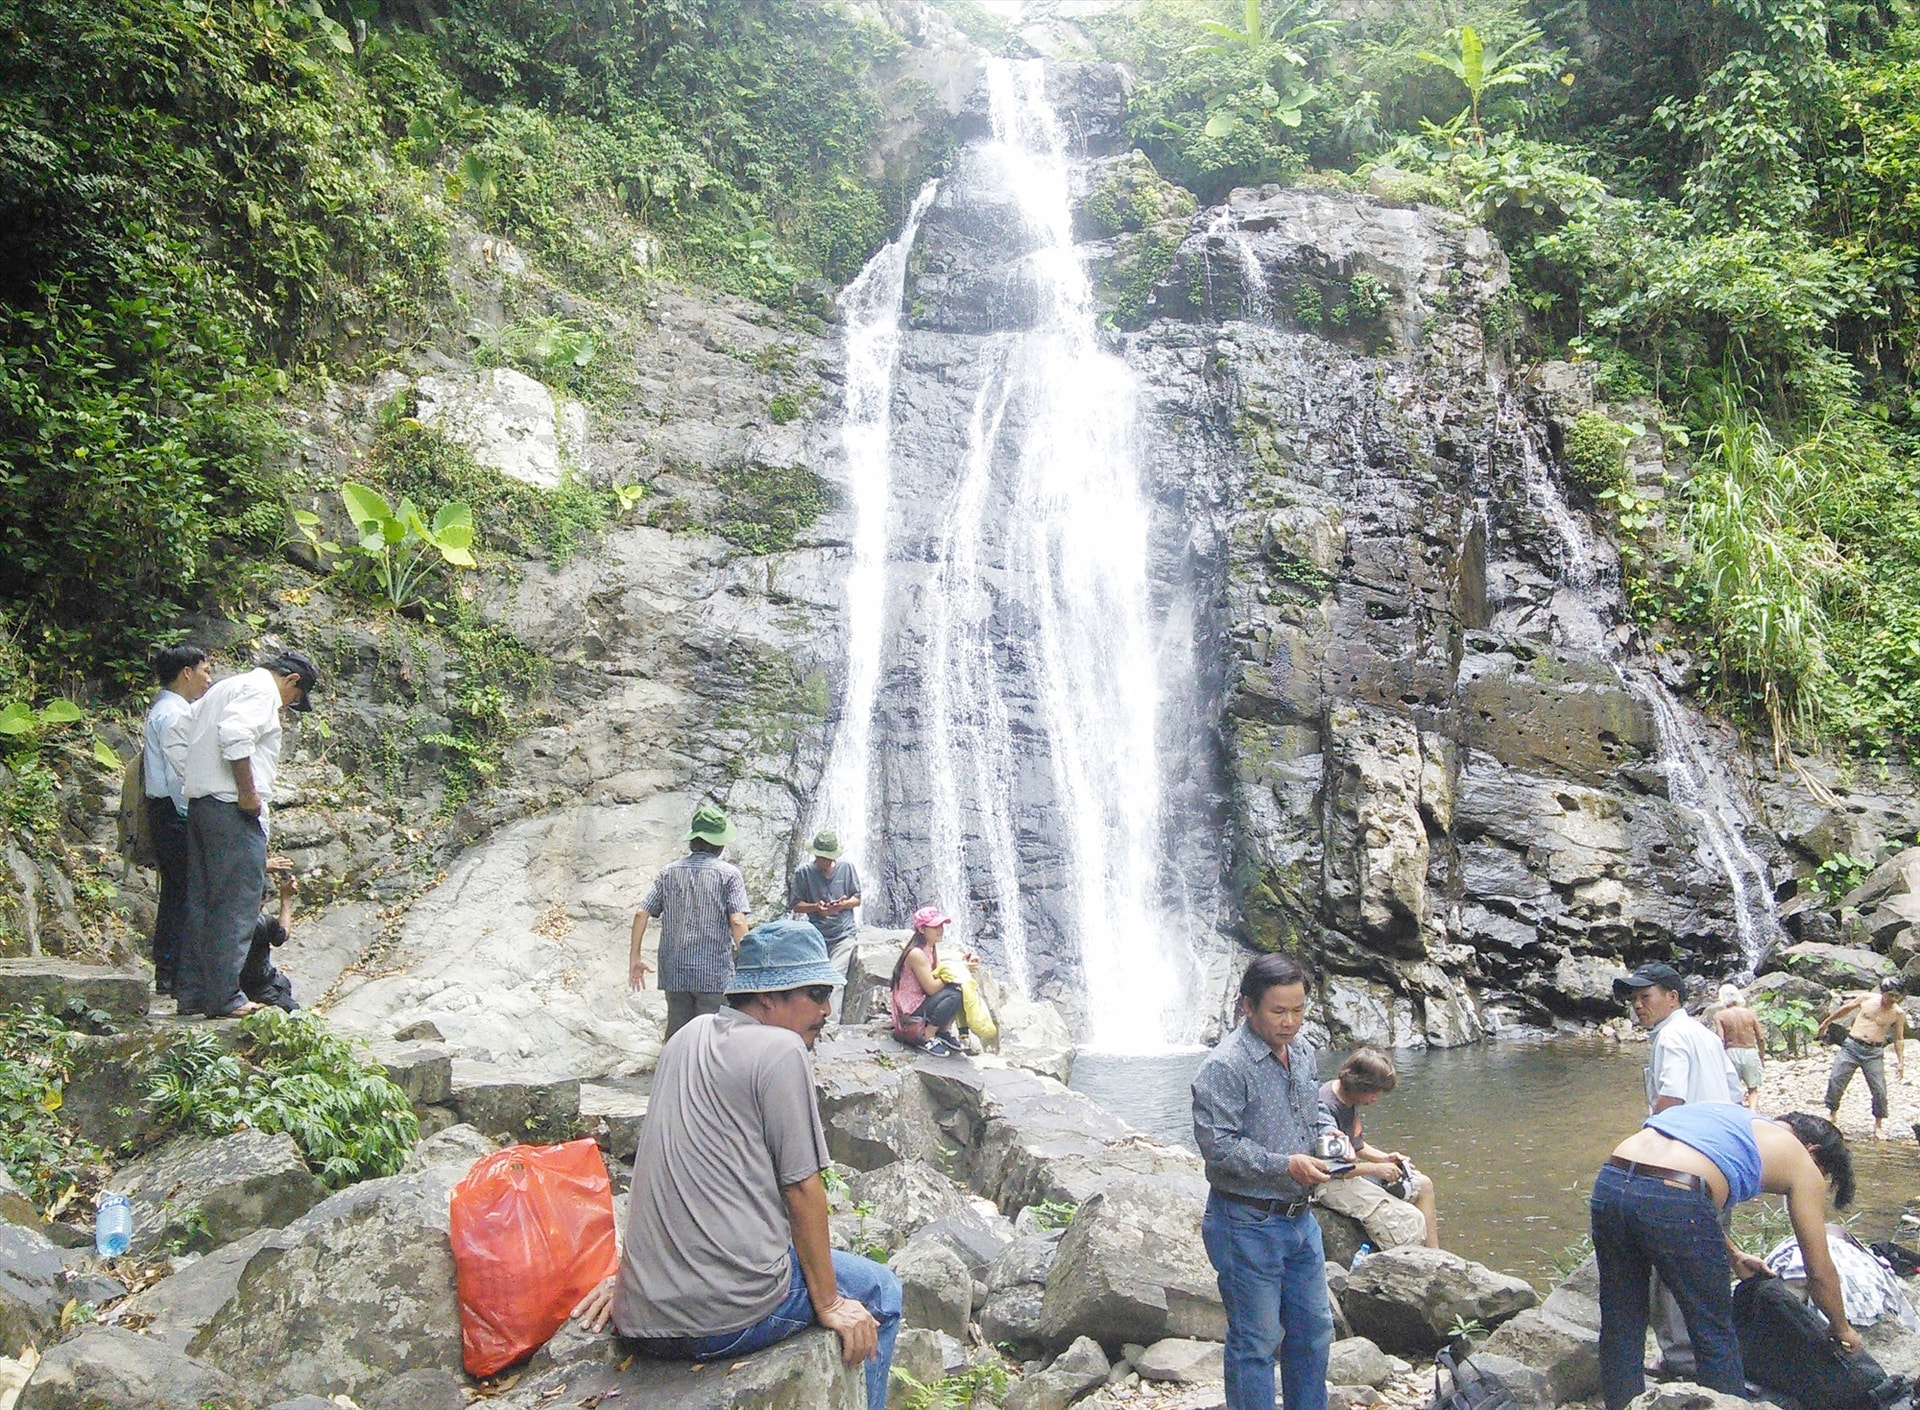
<point>1510,1131</point>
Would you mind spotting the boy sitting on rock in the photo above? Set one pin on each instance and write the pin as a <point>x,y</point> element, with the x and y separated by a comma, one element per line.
<point>260,981</point>
<point>1384,1192</point>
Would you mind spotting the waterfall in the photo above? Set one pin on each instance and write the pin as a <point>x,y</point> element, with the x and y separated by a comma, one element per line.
<point>997,745</point>
<point>1697,781</point>
<point>1255,297</point>
<point>871,305</point>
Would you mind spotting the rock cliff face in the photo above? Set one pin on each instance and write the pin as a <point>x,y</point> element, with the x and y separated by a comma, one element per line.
<point>1444,774</point>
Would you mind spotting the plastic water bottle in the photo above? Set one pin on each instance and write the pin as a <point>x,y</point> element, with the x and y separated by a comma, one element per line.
<point>112,1226</point>
<point>1360,1255</point>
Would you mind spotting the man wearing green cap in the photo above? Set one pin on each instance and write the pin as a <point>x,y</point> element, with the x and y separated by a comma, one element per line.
<point>702,905</point>
<point>825,891</point>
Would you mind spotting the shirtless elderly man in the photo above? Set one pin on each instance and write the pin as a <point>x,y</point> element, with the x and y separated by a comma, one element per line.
<point>1739,1030</point>
<point>1877,1021</point>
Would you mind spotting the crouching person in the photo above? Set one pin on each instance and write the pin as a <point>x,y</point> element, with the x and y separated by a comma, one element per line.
<point>726,1245</point>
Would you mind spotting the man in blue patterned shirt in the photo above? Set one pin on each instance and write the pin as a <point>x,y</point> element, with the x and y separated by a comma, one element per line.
<point>701,903</point>
<point>1256,1115</point>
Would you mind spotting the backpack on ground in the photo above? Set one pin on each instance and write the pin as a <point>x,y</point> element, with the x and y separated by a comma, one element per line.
<point>1471,1390</point>
<point>1785,1347</point>
<point>132,832</point>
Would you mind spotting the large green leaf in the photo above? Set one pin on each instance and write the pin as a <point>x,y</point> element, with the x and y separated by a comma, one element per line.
<point>368,508</point>
<point>1222,123</point>
<point>1472,59</point>
<point>16,719</point>
<point>61,712</point>
<point>106,756</point>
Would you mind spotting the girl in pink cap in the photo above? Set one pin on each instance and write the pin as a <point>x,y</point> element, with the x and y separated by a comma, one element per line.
<point>924,1005</point>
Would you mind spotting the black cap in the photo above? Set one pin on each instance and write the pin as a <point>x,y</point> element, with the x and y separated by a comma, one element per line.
<point>1665,975</point>
<point>296,663</point>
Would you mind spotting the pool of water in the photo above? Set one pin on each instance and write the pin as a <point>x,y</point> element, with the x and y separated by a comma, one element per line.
<point>1511,1132</point>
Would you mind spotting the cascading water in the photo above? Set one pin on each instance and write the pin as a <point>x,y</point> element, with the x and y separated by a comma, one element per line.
<point>1697,781</point>
<point>1256,298</point>
<point>997,747</point>
<point>872,308</point>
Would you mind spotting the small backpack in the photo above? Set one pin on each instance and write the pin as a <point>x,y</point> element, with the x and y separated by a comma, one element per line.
<point>1471,1390</point>
<point>1784,1347</point>
<point>132,832</point>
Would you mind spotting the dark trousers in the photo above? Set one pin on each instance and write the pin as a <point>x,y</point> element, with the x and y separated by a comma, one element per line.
<point>683,1006</point>
<point>226,877</point>
<point>1868,1058</point>
<point>942,1008</point>
<point>1641,1224</point>
<point>169,832</point>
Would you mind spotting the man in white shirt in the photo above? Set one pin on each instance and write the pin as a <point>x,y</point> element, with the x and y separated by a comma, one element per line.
<point>184,673</point>
<point>1687,1064</point>
<point>226,753</point>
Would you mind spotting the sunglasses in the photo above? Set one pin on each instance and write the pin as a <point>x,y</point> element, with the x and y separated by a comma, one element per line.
<point>819,993</point>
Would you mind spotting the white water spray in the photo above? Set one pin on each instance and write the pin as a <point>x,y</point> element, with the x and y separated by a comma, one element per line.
<point>1256,297</point>
<point>872,308</point>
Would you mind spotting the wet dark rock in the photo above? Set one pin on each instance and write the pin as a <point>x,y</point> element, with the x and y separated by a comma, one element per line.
<point>106,1366</point>
<point>198,1192</point>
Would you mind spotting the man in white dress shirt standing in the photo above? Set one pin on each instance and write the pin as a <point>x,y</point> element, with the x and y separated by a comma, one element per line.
<point>226,753</point>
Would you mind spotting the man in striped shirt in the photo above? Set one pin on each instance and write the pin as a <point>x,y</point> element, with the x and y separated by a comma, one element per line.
<point>701,903</point>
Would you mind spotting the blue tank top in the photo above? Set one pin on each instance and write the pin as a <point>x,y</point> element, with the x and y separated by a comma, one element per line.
<point>1723,1133</point>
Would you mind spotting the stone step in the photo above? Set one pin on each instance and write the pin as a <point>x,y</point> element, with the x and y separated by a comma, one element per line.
<point>516,1107</point>
<point>613,1110</point>
<point>52,984</point>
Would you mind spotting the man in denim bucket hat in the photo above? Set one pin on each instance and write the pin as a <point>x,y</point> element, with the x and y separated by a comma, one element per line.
<point>701,903</point>
<point>726,1249</point>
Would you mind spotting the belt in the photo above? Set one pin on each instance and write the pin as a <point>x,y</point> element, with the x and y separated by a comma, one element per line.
<point>1286,1208</point>
<point>1660,1172</point>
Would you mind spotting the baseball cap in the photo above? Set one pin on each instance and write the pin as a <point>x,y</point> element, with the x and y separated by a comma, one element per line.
<point>930,915</point>
<point>296,663</point>
<point>1665,975</point>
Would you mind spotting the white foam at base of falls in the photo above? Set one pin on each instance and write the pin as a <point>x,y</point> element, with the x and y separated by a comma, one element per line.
<point>872,308</point>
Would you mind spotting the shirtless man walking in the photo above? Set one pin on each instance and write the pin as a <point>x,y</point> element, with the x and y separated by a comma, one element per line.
<point>1877,1021</point>
<point>1739,1030</point>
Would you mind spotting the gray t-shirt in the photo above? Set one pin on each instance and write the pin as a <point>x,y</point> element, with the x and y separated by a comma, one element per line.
<point>806,884</point>
<point>732,1121</point>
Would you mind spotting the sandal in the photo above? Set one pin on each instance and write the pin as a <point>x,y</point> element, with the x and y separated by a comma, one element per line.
<point>241,1010</point>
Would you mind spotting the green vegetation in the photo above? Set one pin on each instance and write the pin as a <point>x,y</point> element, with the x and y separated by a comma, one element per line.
<point>289,1074</point>
<point>981,1385</point>
<point>763,508</point>
<point>1596,452</point>
<point>202,203</point>
<point>36,1147</point>
<point>1789,1024</point>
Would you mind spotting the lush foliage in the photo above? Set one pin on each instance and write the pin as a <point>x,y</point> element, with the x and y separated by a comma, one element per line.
<point>290,1074</point>
<point>42,1154</point>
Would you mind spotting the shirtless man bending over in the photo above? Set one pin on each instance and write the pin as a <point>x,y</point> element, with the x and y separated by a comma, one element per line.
<point>1877,1021</point>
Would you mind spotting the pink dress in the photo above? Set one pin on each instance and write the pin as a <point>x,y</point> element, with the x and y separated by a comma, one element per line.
<point>908,995</point>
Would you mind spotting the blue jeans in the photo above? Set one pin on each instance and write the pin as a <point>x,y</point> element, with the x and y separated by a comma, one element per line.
<point>866,1282</point>
<point>1273,1278</point>
<point>1640,1223</point>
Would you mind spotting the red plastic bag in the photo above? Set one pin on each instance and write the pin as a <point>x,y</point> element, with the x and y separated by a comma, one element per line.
<point>532,1232</point>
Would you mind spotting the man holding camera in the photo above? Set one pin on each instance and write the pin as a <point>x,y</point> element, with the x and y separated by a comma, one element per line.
<point>1393,1201</point>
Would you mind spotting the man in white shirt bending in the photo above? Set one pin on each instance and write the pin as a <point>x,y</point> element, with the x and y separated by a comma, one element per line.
<point>226,753</point>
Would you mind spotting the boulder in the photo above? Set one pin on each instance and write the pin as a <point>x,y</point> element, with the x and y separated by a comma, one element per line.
<point>1027,1259</point>
<point>353,1293</point>
<point>1077,1370</point>
<point>614,1111</point>
<point>1560,1338</point>
<point>1012,1317</point>
<point>424,1071</point>
<point>94,1100</point>
<point>1131,1267</point>
<point>925,1355</point>
<point>977,1241</point>
<point>1780,986</point>
<point>1832,966</point>
<point>1035,1037</point>
<point>108,1366</point>
<point>514,1108</point>
<point>1355,1361</point>
<point>199,1192</point>
<point>458,1145</point>
<point>15,1207</point>
<point>1408,1299</point>
<point>53,984</point>
<point>935,1287</point>
<point>870,976</point>
<point>1899,875</point>
<point>872,1103</point>
<point>506,418</point>
<point>428,1389</point>
<point>1340,1235</point>
<point>1685,1395</point>
<point>1182,1360</point>
<point>34,1285</point>
<point>1374,874</point>
<point>175,1309</point>
<point>896,1201</point>
<point>804,1372</point>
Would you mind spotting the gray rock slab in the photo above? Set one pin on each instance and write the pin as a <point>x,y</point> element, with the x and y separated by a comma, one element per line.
<point>874,1106</point>
<point>1529,1387</point>
<point>15,1207</point>
<point>1011,1316</point>
<point>936,1289</point>
<point>1407,1299</point>
<point>614,1111</point>
<point>1685,1395</point>
<point>900,1199</point>
<point>177,1307</point>
<point>304,1402</point>
<point>516,1108</point>
<point>460,1145</point>
<point>52,984</point>
<point>977,1241</point>
<point>358,1290</point>
<point>35,1284</point>
<point>1077,1370</point>
<point>1131,1267</point>
<point>1834,966</point>
<point>1185,1361</point>
<point>107,1071</point>
<point>427,1389</point>
<point>424,1071</point>
<point>1026,1260</point>
<point>803,1372</point>
<point>199,1192</point>
<point>112,1367</point>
